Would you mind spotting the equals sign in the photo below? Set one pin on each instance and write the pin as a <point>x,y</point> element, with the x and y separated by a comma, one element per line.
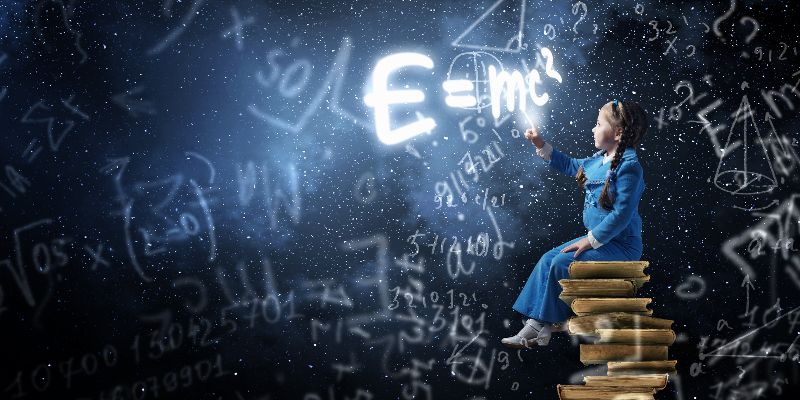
<point>31,151</point>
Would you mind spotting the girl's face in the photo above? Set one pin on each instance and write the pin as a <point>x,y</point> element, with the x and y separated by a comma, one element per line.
<point>606,133</point>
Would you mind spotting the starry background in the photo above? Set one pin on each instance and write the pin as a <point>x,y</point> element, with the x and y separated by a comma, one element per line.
<point>195,203</point>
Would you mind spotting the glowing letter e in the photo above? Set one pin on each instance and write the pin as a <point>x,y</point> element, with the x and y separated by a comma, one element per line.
<point>381,98</point>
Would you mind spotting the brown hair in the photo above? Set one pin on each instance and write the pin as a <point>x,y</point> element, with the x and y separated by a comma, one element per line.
<point>629,116</point>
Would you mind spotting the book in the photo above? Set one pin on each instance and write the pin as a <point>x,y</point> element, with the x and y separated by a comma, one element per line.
<point>607,269</point>
<point>616,368</point>
<point>655,381</point>
<point>599,305</point>
<point>587,325</point>
<point>601,353</point>
<point>632,342</point>
<point>582,392</point>
<point>636,336</point>
<point>574,288</point>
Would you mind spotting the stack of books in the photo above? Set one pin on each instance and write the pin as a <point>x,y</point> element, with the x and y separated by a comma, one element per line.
<point>626,335</point>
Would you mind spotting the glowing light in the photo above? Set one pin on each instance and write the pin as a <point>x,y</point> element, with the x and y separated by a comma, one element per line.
<point>533,79</point>
<point>381,98</point>
<point>517,88</point>
<point>510,83</point>
<point>457,86</point>
<point>513,83</point>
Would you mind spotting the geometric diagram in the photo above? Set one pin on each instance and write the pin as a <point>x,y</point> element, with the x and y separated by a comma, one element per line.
<point>299,71</point>
<point>745,170</point>
<point>472,66</point>
<point>769,239</point>
<point>492,22</point>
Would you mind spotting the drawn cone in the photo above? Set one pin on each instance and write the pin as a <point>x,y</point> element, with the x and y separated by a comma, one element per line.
<point>745,167</point>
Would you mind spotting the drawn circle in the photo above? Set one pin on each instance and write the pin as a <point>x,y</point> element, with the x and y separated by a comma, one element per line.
<point>189,223</point>
<point>474,66</point>
<point>693,288</point>
<point>89,363</point>
<point>38,250</point>
<point>301,67</point>
<point>744,182</point>
<point>639,9</point>
<point>548,30</point>
<point>110,355</point>
<point>38,382</point>
<point>276,304</point>
<point>696,369</point>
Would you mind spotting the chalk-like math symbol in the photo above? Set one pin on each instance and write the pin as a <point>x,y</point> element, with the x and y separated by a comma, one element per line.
<point>163,213</point>
<point>494,18</point>
<point>58,125</point>
<point>179,28</point>
<point>747,169</point>
<point>292,100</point>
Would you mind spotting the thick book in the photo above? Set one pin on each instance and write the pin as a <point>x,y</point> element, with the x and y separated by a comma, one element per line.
<point>664,337</point>
<point>607,269</point>
<point>582,392</point>
<point>655,381</point>
<point>589,282</point>
<point>574,288</point>
<point>587,325</point>
<point>601,305</point>
<point>617,368</point>
<point>602,353</point>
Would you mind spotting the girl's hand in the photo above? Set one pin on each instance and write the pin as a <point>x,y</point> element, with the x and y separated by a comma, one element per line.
<point>580,246</point>
<point>533,135</point>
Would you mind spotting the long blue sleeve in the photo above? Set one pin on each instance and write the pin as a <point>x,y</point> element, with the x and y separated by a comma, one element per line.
<point>565,163</point>
<point>630,185</point>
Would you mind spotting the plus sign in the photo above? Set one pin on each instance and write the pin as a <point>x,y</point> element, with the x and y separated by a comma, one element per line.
<point>237,30</point>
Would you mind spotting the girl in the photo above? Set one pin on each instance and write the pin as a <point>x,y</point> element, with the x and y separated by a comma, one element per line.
<point>613,181</point>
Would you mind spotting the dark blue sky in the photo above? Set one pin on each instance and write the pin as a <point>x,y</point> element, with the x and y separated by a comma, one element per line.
<point>199,184</point>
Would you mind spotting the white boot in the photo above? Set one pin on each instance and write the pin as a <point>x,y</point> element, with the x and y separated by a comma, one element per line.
<point>533,332</point>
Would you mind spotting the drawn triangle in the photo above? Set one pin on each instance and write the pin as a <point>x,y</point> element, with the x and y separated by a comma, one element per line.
<point>503,22</point>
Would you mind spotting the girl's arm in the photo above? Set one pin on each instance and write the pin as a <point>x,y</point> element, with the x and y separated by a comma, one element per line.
<point>559,160</point>
<point>629,192</point>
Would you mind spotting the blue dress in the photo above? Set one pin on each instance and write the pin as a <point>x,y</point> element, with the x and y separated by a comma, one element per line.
<point>619,231</point>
